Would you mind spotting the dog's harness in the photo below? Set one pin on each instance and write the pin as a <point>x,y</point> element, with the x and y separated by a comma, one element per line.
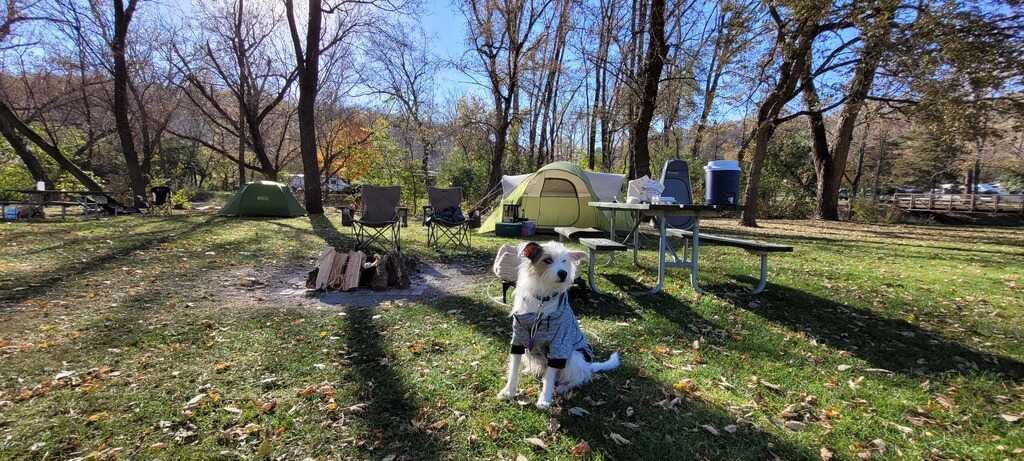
<point>554,335</point>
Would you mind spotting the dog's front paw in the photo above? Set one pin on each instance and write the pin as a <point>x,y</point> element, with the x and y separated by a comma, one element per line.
<point>543,404</point>
<point>506,394</point>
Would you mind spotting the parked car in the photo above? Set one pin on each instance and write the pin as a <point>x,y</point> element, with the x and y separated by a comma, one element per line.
<point>990,189</point>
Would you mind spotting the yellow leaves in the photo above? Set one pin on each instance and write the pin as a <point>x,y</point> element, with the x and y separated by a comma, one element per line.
<point>415,347</point>
<point>323,334</point>
<point>831,413</point>
<point>662,350</point>
<point>221,366</point>
<point>331,405</point>
<point>214,395</point>
<point>685,386</point>
<point>99,416</point>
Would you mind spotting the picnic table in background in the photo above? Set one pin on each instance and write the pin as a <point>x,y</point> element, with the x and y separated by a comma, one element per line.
<point>90,201</point>
<point>641,210</point>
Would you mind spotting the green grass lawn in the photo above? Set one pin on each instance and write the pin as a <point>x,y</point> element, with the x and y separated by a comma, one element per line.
<point>130,338</point>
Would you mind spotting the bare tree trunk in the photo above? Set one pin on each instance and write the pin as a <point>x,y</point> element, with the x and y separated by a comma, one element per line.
<point>17,142</point>
<point>122,19</point>
<point>830,164</point>
<point>795,55</point>
<point>657,51</point>
<point>10,119</point>
<point>308,63</point>
<point>241,146</point>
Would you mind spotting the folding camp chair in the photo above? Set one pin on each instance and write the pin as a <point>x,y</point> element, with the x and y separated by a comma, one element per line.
<point>378,214</point>
<point>446,225</point>
<point>675,177</point>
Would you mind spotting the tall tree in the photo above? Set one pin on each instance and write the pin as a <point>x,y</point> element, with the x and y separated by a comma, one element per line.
<point>238,54</point>
<point>123,14</point>
<point>654,62</point>
<point>794,38</point>
<point>501,35</point>
<point>404,71</point>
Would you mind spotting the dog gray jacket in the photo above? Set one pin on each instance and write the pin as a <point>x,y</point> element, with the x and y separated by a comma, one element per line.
<point>555,335</point>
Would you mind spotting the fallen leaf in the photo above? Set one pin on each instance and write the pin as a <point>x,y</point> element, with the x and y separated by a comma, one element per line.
<point>234,410</point>
<point>730,428</point>
<point>844,367</point>
<point>521,457</point>
<point>99,416</point>
<point>795,426</point>
<point>618,439</point>
<point>826,454</point>
<point>1010,418</point>
<point>537,442</point>
<point>685,385</point>
<point>662,350</point>
<point>577,411</point>
<point>195,400</point>
<point>268,406</point>
<point>438,425</point>
<point>712,429</point>
<point>581,449</point>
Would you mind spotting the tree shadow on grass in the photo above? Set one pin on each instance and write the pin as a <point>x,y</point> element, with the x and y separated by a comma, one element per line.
<point>391,411</point>
<point>892,344</point>
<point>662,429</point>
<point>13,290</point>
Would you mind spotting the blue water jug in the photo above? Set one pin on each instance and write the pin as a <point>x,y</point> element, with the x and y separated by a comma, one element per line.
<point>722,182</point>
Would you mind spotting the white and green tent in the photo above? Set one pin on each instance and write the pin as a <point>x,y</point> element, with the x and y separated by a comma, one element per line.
<point>557,195</point>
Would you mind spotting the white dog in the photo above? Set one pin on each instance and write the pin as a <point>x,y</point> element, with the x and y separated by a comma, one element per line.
<point>544,328</point>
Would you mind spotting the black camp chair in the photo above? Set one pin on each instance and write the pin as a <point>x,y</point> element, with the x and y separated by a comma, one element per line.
<point>378,214</point>
<point>446,225</point>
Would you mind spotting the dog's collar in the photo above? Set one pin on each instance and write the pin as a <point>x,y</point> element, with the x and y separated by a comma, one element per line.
<point>544,299</point>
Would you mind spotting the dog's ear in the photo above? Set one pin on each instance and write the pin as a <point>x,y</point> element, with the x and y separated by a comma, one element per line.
<point>577,256</point>
<point>533,251</point>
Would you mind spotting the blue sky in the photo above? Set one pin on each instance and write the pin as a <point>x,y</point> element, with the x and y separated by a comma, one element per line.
<point>443,22</point>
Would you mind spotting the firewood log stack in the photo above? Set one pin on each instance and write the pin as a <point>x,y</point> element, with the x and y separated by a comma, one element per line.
<point>347,270</point>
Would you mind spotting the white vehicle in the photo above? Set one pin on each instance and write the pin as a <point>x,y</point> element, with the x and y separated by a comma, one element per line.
<point>333,184</point>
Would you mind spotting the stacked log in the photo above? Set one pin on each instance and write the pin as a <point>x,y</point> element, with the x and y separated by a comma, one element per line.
<point>348,270</point>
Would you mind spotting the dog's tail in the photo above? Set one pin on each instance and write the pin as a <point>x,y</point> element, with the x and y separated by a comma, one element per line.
<point>610,364</point>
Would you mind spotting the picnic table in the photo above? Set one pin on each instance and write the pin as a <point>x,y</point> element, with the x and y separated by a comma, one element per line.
<point>89,200</point>
<point>641,210</point>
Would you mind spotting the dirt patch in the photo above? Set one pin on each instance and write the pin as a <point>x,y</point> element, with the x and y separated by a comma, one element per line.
<point>286,285</point>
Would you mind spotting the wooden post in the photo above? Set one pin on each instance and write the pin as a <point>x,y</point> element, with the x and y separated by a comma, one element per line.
<point>931,200</point>
<point>995,204</point>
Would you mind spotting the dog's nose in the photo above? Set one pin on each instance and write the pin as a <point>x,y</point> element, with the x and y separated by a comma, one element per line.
<point>562,275</point>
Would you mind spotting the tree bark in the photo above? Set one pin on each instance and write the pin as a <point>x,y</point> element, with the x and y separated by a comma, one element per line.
<point>796,52</point>
<point>17,142</point>
<point>308,64</point>
<point>11,119</point>
<point>657,51</point>
<point>830,164</point>
<point>118,45</point>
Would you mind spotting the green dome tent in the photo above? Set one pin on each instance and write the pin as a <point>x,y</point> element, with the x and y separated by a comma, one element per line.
<point>263,198</point>
<point>557,195</point>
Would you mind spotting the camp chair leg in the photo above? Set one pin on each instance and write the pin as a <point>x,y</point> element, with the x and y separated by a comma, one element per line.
<point>505,285</point>
<point>591,263</point>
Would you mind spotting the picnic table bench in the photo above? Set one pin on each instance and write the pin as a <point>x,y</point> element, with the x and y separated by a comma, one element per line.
<point>758,248</point>
<point>573,233</point>
<point>594,246</point>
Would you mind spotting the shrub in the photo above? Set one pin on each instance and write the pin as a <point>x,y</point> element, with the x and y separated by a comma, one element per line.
<point>181,199</point>
<point>866,210</point>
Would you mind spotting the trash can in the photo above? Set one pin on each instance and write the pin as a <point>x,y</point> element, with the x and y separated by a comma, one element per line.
<point>160,195</point>
<point>722,182</point>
